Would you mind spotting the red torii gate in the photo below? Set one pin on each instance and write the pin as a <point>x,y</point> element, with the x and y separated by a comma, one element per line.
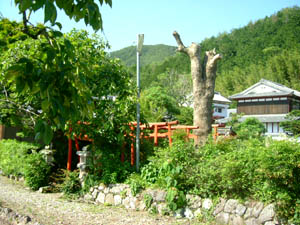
<point>156,127</point>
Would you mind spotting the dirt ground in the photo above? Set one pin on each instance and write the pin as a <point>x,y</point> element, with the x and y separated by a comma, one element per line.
<point>50,209</point>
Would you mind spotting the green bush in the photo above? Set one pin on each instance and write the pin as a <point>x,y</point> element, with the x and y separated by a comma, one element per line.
<point>279,169</point>
<point>36,171</point>
<point>21,159</point>
<point>233,168</point>
<point>175,199</point>
<point>105,166</point>
<point>250,128</point>
<point>227,168</point>
<point>13,156</point>
<point>170,166</point>
<point>136,183</point>
<point>71,184</point>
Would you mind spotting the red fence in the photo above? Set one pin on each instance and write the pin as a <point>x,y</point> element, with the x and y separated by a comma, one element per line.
<point>157,131</point>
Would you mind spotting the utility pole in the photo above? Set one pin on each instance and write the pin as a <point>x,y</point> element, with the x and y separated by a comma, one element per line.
<point>138,54</point>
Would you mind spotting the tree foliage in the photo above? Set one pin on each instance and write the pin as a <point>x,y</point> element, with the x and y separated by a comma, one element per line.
<point>59,79</point>
<point>157,105</point>
<point>292,125</point>
<point>77,10</point>
<point>250,128</point>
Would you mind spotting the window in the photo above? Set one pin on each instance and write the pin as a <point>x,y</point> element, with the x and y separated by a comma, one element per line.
<point>218,109</point>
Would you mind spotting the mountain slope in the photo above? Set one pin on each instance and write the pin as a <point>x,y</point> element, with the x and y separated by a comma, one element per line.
<point>150,54</point>
<point>268,48</point>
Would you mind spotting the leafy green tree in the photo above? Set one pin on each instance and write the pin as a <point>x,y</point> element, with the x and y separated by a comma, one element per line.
<point>157,105</point>
<point>292,125</point>
<point>43,76</point>
<point>250,128</point>
<point>53,81</point>
<point>186,115</point>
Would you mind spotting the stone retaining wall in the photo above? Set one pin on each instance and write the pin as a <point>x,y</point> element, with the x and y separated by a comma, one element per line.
<point>225,211</point>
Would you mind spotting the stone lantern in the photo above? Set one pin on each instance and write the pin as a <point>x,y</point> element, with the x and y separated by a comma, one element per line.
<point>82,165</point>
<point>47,154</point>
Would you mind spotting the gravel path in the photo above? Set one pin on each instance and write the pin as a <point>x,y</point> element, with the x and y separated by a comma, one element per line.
<point>50,209</point>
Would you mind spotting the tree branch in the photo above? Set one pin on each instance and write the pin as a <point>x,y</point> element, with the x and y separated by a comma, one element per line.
<point>181,47</point>
<point>212,58</point>
<point>26,29</point>
<point>19,107</point>
<point>216,58</point>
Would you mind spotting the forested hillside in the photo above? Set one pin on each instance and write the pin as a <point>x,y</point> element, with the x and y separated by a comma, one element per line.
<point>268,48</point>
<point>151,54</point>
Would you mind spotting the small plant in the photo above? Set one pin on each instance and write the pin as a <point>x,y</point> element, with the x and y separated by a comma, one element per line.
<point>90,180</point>
<point>175,199</point>
<point>153,210</point>
<point>148,199</point>
<point>106,167</point>
<point>36,171</point>
<point>71,184</point>
<point>123,194</point>
<point>136,183</point>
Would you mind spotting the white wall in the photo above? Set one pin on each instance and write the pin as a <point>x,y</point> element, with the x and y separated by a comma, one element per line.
<point>222,107</point>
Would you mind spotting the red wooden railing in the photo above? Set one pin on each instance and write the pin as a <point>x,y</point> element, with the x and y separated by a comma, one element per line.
<point>159,130</point>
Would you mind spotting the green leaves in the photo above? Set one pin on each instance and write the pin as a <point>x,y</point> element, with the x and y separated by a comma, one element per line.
<point>86,9</point>
<point>36,5</point>
<point>20,84</point>
<point>43,132</point>
<point>60,78</point>
<point>50,13</point>
<point>109,2</point>
<point>14,71</point>
<point>292,125</point>
<point>24,4</point>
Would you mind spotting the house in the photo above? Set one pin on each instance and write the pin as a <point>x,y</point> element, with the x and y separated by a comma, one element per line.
<point>269,102</point>
<point>220,105</point>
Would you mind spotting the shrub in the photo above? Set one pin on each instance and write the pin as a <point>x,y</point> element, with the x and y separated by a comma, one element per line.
<point>279,169</point>
<point>250,128</point>
<point>227,168</point>
<point>106,166</point>
<point>136,183</point>
<point>170,166</point>
<point>292,123</point>
<point>21,159</point>
<point>71,184</point>
<point>36,171</point>
<point>175,199</point>
<point>13,156</point>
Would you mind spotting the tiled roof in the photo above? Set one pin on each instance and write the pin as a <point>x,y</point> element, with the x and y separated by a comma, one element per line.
<point>281,90</point>
<point>219,98</point>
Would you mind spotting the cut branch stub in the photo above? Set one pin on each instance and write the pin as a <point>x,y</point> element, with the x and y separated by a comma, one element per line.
<point>181,47</point>
<point>212,58</point>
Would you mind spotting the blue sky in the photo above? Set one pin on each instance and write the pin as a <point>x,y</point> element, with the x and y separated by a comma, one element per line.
<point>194,20</point>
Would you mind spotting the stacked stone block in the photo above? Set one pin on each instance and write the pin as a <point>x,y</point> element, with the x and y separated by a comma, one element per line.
<point>225,211</point>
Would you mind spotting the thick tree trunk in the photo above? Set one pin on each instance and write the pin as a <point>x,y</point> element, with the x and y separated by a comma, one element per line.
<point>204,77</point>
